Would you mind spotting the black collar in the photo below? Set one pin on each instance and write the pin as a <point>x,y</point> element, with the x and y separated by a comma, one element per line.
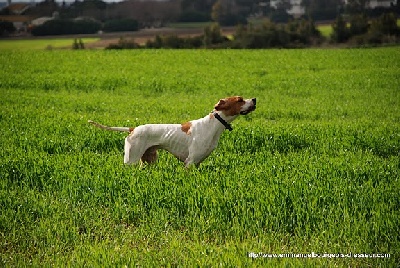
<point>220,119</point>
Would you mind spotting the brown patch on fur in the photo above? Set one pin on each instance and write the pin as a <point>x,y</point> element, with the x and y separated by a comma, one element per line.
<point>150,156</point>
<point>212,116</point>
<point>131,129</point>
<point>186,127</point>
<point>230,106</point>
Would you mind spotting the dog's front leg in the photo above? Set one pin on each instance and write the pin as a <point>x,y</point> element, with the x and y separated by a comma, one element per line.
<point>190,163</point>
<point>195,157</point>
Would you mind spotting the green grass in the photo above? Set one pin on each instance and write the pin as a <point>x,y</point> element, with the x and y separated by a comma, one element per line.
<point>40,44</point>
<point>325,29</point>
<point>314,169</point>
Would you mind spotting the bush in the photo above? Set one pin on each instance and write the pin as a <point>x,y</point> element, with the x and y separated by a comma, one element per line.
<point>173,41</point>
<point>6,27</point>
<point>340,32</point>
<point>232,20</point>
<point>170,41</point>
<point>63,26</point>
<point>121,25</point>
<point>358,25</point>
<point>324,14</point>
<point>302,31</point>
<point>381,30</point>
<point>386,24</point>
<point>280,16</point>
<point>194,16</point>
<point>213,35</point>
<point>124,44</point>
<point>297,33</point>
<point>78,44</point>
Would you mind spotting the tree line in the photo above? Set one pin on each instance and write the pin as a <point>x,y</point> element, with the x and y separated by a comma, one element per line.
<point>352,22</point>
<point>298,33</point>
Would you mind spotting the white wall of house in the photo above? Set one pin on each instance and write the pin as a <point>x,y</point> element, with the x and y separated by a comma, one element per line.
<point>297,9</point>
<point>379,3</point>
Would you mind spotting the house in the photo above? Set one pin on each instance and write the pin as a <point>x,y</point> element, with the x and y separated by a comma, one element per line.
<point>14,13</point>
<point>379,3</point>
<point>297,10</point>
<point>18,8</point>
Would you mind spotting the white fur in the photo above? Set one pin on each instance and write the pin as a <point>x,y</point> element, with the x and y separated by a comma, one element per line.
<point>191,145</point>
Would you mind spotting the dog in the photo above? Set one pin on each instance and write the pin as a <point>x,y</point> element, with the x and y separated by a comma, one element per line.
<point>190,142</point>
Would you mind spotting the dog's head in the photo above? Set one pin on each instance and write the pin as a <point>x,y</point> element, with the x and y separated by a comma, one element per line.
<point>236,105</point>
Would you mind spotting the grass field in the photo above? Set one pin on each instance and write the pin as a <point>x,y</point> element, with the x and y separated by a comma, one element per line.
<point>325,29</point>
<point>314,169</point>
<point>40,44</point>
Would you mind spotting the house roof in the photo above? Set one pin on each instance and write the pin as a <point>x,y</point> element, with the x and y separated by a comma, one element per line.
<point>18,8</point>
<point>15,18</point>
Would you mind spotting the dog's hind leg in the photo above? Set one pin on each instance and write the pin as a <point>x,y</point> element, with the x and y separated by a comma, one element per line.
<point>150,155</point>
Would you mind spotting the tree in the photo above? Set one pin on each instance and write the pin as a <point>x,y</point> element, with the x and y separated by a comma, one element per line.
<point>357,6</point>
<point>216,11</point>
<point>322,9</point>
<point>283,5</point>
<point>198,5</point>
<point>386,24</point>
<point>6,27</point>
<point>226,12</point>
<point>340,32</point>
<point>195,10</point>
<point>281,11</point>
<point>358,24</point>
<point>212,35</point>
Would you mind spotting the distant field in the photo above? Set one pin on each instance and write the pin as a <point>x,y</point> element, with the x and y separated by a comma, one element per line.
<point>314,170</point>
<point>40,44</point>
<point>326,30</point>
<point>189,25</point>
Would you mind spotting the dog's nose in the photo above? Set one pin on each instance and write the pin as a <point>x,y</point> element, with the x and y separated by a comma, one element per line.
<point>254,101</point>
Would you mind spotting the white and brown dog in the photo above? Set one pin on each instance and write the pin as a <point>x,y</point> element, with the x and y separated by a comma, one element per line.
<point>190,142</point>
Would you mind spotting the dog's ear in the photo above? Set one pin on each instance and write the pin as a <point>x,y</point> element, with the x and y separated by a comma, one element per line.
<point>220,105</point>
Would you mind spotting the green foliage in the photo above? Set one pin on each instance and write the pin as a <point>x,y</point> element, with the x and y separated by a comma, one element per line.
<point>78,44</point>
<point>124,43</point>
<point>294,34</point>
<point>358,25</point>
<point>340,32</point>
<point>175,42</point>
<point>212,35</point>
<point>63,26</point>
<point>121,25</point>
<point>362,32</point>
<point>314,169</point>
<point>226,13</point>
<point>193,16</point>
<point>386,24</point>
<point>6,27</point>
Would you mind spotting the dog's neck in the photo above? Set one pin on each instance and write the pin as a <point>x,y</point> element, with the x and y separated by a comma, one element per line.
<point>223,121</point>
<point>227,118</point>
<point>218,122</point>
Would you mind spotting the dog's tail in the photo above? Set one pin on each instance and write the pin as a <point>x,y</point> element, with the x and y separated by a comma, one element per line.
<point>121,129</point>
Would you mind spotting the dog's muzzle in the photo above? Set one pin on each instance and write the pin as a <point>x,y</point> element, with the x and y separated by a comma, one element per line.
<point>251,108</point>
